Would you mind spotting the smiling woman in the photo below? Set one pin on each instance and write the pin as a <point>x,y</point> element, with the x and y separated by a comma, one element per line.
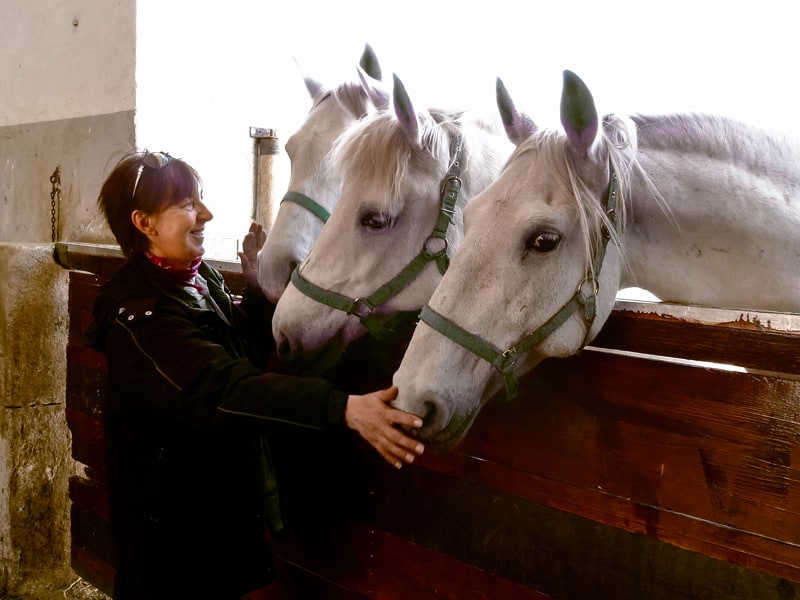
<point>237,69</point>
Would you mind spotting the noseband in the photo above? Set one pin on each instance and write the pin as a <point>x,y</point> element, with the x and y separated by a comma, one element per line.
<point>585,297</point>
<point>308,204</point>
<point>433,250</point>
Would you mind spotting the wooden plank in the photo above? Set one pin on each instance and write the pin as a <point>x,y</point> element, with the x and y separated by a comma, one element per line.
<point>517,546</point>
<point>293,582</point>
<point>89,495</point>
<point>359,557</point>
<point>748,340</point>
<point>86,380</point>
<point>87,440</point>
<point>631,443</point>
<point>83,288</point>
<point>93,569</point>
<point>91,548</point>
<point>103,261</point>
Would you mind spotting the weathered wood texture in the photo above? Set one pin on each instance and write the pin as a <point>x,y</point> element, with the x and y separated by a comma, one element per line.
<point>613,475</point>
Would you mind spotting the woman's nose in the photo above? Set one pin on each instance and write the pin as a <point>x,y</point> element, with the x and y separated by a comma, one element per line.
<point>205,214</point>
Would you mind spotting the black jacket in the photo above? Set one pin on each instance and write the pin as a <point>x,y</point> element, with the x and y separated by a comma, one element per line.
<point>188,407</point>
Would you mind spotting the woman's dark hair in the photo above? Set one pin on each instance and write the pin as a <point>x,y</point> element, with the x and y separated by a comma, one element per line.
<point>146,181</point>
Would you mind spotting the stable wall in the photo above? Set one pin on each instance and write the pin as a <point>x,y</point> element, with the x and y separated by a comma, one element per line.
<point>67,91</point>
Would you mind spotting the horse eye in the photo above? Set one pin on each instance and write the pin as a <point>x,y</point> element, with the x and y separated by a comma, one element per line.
<point>377,221</point>
<point>543,242</point>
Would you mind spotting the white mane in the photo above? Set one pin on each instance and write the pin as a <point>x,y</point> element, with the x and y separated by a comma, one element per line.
<point>377,148</point>
<point>711,135</point>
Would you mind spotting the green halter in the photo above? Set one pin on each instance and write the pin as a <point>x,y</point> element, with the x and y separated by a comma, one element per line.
<point>307,203</point>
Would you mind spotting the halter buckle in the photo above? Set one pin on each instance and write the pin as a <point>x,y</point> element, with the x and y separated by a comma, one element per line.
<point>454,182</point>
<point>360,309</point>
<point>511,352</point>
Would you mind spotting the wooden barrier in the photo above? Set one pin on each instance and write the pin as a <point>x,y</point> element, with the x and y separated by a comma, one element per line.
<point>615,474</point>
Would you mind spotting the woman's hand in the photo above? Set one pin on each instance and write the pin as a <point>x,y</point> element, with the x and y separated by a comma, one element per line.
<point>251,244</point>
<point>372,417</point>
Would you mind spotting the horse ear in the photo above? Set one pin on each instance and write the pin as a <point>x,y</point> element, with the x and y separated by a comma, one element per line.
<point>578,113</point>
<point>369,62</point>
<point>405,113</point>
<point>519,126</point>
<point>313,86</point>
<point>374,90</point>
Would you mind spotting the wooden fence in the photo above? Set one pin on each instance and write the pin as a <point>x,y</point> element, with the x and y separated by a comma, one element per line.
<point>630,471</point>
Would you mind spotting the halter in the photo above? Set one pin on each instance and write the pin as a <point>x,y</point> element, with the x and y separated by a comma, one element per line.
<point>434,249</point>
<point>585,297</point>
<point>308,204</point>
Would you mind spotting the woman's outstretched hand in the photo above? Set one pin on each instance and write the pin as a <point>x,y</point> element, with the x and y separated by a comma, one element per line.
<point>251,244</point>
<point>372,417</point>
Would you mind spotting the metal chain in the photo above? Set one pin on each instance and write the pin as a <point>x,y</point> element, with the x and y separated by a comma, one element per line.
<point>55,200</point>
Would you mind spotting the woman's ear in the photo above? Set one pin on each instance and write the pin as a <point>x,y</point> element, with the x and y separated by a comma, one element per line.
<point>143,222</point>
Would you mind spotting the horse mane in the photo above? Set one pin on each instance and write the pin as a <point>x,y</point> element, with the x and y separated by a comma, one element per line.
<point>717,136</point>
<point>377,148</point>
<point>350,94</point>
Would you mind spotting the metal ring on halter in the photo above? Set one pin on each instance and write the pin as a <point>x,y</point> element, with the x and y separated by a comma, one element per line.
<point>360,309</point>
<point>595,286</point>
<point>426,248</point>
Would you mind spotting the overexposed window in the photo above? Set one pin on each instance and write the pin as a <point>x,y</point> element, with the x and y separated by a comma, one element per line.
<point>208,72</point>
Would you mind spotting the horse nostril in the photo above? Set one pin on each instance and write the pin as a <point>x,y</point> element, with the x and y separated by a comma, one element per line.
<point>430,412</point>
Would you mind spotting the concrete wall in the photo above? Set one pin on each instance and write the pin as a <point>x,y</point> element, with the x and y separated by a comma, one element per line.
<point>67,88</point>
<point>35,461</point>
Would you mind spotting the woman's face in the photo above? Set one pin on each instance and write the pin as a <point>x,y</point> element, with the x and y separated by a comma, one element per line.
<point>178,232</point>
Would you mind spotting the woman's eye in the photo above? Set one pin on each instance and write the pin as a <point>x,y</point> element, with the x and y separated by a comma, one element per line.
<point>377,221</point>
<point>543,242</point>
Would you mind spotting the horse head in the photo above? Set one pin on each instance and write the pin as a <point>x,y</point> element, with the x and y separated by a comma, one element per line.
<point>384,249</point>
<point>313,187</point>
<point>534,277</point>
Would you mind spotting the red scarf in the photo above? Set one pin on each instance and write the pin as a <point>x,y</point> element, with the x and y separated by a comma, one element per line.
<point>181,276</point>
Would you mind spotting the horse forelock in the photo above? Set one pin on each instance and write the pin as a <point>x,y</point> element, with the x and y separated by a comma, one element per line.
<point>351,95</point>
<point>616,147</point>
<point>377,149</point>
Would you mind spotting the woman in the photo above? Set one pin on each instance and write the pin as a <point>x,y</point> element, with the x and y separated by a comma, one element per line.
<point>189,406</point>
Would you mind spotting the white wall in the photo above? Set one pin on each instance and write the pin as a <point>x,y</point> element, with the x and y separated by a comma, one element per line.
<point>59,59</point>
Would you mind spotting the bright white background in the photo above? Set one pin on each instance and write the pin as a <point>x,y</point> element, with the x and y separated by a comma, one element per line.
<point>207,72</point>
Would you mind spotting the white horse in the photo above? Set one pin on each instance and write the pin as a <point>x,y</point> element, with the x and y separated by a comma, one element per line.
<point>406,175</point>
<point>313,188</point>
<point>696,209</point>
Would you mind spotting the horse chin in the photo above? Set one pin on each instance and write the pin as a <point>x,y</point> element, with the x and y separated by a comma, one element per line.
<point>454,432</point>
<point>459,425</point>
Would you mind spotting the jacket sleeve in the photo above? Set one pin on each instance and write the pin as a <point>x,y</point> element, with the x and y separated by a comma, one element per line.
<point>161,359</point>
<point>258,309</point>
